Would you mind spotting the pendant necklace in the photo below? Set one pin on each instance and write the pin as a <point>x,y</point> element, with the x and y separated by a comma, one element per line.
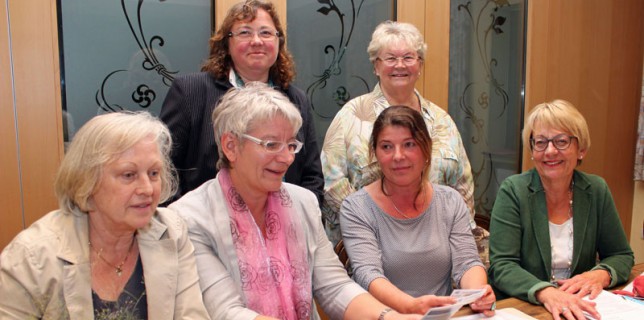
<point>119,267</point>
<point>570,239</point>
<point>394,204</point>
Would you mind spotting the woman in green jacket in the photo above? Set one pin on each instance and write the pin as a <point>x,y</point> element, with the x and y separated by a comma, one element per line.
<point>555,235</point>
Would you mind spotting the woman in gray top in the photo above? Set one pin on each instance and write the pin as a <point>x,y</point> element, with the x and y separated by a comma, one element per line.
<point>407,238</point>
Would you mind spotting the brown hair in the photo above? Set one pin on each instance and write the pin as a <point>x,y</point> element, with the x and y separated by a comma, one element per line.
<point>406,117</point>
<point>282,72</point>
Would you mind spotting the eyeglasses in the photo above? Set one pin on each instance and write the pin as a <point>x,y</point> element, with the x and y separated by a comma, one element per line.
<point>270,146</point>
<point>248,34</point>
<point>392,61</point>
<point>560,142</point>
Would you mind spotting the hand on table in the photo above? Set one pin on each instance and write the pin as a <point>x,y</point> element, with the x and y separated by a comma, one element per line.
<point>485,303</point>
<point>564,305</point>
<point>421,304</point>
<point>588,283</point>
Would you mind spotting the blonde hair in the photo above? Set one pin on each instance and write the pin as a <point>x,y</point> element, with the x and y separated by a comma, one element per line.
<point>102,140</point>
<point>389,33</point>
<point>241,108</point>
<point>561,115</point>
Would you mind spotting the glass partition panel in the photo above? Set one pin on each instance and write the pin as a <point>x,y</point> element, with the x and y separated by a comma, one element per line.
<point>328,40</point>
<point>486,80</point>
<point>118,55</point>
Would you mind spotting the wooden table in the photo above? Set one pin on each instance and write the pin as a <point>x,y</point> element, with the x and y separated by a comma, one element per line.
<point>538,311</point>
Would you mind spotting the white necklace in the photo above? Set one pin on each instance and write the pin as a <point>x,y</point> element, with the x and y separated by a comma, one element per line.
<point>394,204</point>
<point>570,241</point>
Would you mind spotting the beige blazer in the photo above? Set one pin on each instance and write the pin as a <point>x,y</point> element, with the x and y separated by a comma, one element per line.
<point>45,271</point>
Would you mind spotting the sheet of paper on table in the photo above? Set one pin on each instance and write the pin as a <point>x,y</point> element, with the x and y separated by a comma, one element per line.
<point>500,314</point>
<point>463,297</point>
<point>615,307</point>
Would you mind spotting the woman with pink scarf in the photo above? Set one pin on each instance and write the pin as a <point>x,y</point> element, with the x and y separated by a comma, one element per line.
<point>260,246</point>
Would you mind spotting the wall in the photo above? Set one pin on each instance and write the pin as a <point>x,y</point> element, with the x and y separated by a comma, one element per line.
<point>590,53</point>
<point>30,113</point>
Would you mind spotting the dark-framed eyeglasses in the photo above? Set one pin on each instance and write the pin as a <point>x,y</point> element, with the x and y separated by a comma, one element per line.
<point>249,34</point>
<point>294,146</point>
<point>407,60</point>
<point>560,142</point>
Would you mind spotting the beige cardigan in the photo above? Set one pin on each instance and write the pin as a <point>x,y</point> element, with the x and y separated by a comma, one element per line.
<point>45,271</point>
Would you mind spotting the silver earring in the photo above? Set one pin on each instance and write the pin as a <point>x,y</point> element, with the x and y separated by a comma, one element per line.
<point>531,158</point>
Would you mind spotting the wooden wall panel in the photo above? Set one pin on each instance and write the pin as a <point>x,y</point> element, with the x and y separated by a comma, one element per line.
<point>590,53</point>
<point>34,48</point>
<point>11,216</point>
<point>432,19</point>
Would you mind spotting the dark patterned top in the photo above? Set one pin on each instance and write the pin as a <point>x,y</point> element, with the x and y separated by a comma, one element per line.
<point>132,303</point>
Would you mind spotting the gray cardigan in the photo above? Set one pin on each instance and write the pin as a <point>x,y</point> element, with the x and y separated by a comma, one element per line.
<point>206,214</point>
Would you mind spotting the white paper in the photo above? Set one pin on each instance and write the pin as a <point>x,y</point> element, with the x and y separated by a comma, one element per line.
<point>499,314</point>
<point>613,307</point>
<point>463,297</point>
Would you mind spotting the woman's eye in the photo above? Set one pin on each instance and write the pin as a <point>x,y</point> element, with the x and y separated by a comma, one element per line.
<point>386,147</point>
<point>410,144</point>
<point>129,175</point>
<point>154,174</point>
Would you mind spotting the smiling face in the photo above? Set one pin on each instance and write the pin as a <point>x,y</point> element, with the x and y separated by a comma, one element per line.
<point>253,59</point>
<point>552,164</point>
<point>256,172</point>
<point>400,157</point>
<point>128,191</point>
<point>400,75</point>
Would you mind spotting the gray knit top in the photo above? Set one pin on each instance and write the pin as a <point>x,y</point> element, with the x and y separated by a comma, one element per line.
<point>419,256</point>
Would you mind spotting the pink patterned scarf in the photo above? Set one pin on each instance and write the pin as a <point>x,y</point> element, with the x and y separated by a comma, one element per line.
<point>274,270</point>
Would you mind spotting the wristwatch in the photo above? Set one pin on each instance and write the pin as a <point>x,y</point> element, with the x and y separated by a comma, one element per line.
<point>383,313</point>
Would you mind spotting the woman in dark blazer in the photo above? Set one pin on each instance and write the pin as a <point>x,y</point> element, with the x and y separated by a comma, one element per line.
<point>249,46</point>
<point>555,235</point>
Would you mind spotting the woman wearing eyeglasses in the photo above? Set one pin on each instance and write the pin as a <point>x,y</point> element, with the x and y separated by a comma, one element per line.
<point>249,46</point>
<point>555,235</point>
<point>259,243</point>
<point>397,51</point>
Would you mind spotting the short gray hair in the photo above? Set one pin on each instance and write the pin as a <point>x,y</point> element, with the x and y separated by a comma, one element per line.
<point>389,32</point>
<point>102,140</point>
<point>241,108</point>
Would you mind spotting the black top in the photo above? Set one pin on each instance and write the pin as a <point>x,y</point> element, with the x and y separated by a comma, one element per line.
<point>187,111</point>
<point>131,304</point>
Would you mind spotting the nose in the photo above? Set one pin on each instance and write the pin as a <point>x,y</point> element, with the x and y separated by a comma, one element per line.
<point>285,156</point>
<point>550,148</point>
<point>398,153</point>
<point>255,38</point>
<point>399,62</point>
<point>145,186</point>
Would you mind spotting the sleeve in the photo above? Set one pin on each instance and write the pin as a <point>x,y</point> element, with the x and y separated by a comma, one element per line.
<point>332,287</point>
<point>19,286</point>
<point>336,177</point>
<point>506,273</point>
<point>615,254</point>
<point>311,175</point>
<point>461,241</point>
<point>175,114</point>
<point>188,301</point>
<point>220,294</point>
<point>361,242</point>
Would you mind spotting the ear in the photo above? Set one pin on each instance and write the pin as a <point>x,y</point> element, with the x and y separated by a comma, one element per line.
<point>582,154</point>
<point>230,146</point>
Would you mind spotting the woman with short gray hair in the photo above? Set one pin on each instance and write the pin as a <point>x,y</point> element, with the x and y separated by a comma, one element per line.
<point>259,242</point>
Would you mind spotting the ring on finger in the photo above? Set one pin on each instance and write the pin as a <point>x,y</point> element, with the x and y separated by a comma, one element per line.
<point>564,309</point>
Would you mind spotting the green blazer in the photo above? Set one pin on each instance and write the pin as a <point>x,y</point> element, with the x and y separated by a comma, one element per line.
<point>520,241</point>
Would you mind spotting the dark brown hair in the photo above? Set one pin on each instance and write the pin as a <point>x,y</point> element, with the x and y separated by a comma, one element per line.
<point>405,117</point>
<point>282,72</point>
